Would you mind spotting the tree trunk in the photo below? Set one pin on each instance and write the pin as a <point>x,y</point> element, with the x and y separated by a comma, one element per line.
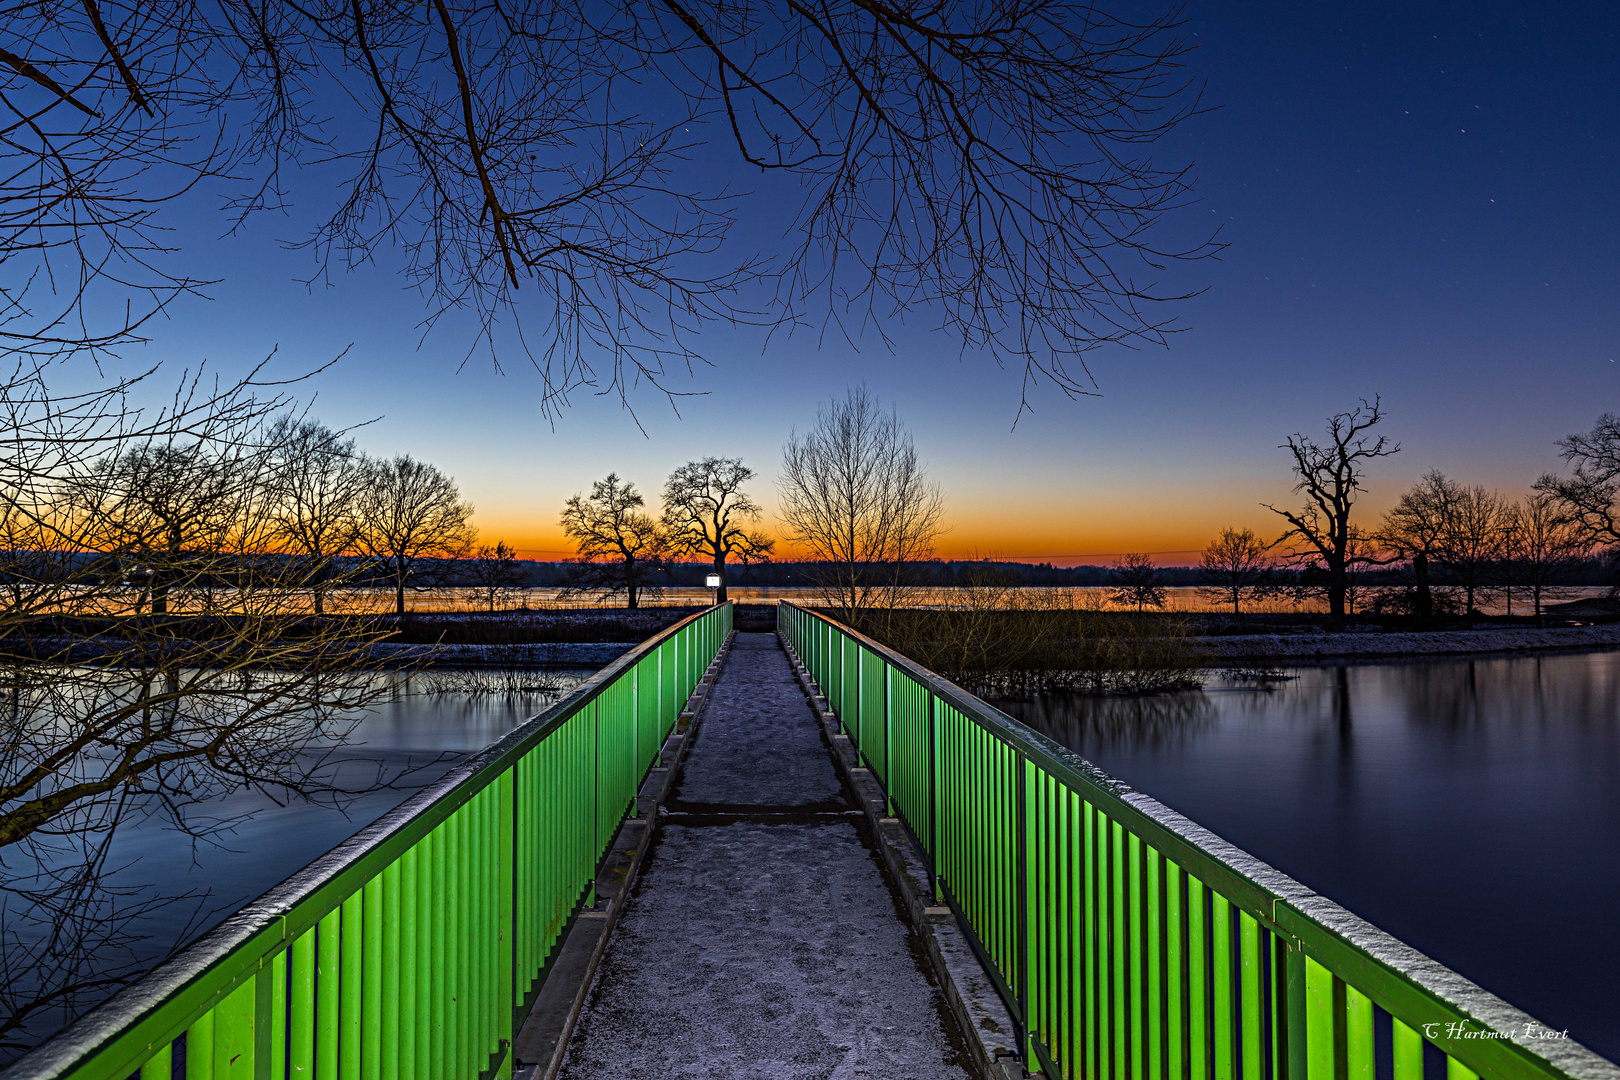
<point>320,601</point>
<point>1337,586</point>
<point>399,593</point>
<point>720,570</point>
<point>1423,604</point>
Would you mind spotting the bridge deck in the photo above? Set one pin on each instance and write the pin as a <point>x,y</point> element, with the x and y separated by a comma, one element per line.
<point>762,939</point>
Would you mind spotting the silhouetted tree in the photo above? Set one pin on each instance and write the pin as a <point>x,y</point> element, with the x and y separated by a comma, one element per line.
<point>856,497</point>
<point>1330,476</point>
<point>1416,527</point>
<point>1543,546</point>
<point>1472,544</point>
<point>1237,565</point>
<point>413,518</point>
<point>1587,498</point>
<point>1137,582</point>
<point>706,511</point>
<point>620,546</point>
<point>495,569</point>
<point>319,477</point>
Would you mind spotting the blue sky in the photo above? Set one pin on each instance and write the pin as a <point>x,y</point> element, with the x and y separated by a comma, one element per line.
<point>1418,203</point>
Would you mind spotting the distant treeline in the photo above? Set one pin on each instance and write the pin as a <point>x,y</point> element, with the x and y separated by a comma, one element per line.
<point>532,573</point>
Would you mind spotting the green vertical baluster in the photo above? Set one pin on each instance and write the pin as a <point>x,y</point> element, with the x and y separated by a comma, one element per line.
<point>410,949</point>
<point>454,935</point>
<point>1175,959</point>
<point>349,990</point>
<point>1120,934</point>
<point>160,1066</point>
<point>1197,980</point>
<point>1249,1009</point>
<point>371,1005</point>
<point>1094,946</point>
<point>389,1062</point>
<point>233,1034</point>
<point>1408,1052</point>
<point>270,1020</point>
<point>200,1048</point>
<point>1456,1070</point>
<point>1358,1034</point>
<point>1155,964</point>
<point>1135,873</point>
<point>477,933</point>
<point>1102,922</point>
<point>505,973</point>
<point>328,996</point>
<point>1319,1042</point>
<point>430,986</point>
<point>1221,1024</point>
<point>301,992</point>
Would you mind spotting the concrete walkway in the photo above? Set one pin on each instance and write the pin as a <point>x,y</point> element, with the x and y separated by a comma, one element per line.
<point>762,939</point>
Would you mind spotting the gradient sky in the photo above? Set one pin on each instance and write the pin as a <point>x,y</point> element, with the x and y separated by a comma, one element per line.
<point>1420,202</point>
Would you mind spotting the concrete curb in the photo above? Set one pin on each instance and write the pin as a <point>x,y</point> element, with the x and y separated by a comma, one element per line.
<point>542,1039</point>
<point>991,1036</point>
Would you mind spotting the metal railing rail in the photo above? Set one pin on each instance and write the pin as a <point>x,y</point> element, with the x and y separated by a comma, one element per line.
<point>1127,940</point>
<point>414,948</point>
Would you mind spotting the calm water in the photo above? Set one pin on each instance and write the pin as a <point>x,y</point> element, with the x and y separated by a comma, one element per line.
<point>409,738</point>
<point>1469,807</point>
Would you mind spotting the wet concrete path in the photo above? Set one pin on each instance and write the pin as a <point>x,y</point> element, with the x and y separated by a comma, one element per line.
<point>762,939</point>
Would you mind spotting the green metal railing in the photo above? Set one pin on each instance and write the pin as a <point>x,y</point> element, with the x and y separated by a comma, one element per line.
<point>1129,942</point>
<point>413,949</point>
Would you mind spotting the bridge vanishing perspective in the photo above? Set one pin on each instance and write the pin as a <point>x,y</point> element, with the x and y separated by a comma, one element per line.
<point>793,855</point>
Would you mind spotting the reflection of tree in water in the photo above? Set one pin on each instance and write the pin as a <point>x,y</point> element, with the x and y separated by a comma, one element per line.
<point>89,752</point>
<point>1084,722</point>
<point>1559,691</point>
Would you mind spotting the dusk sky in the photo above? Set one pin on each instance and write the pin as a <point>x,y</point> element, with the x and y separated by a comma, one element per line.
<point>1418,203</point>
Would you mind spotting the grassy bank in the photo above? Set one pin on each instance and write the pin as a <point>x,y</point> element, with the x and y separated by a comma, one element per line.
<point>995,651</point>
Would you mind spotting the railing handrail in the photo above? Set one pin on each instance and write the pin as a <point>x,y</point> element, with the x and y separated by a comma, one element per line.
<point>262,928</point>
<point>1391,972</point>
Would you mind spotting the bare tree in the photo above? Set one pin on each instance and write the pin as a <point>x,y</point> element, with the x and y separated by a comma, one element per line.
<point>1544,546</point>
<point>706,513</point>
<point>1417,526</point>
<point>1137,582</point>
<point>620,546</point>
<point>856,497</point>
<point>413,518</point>
<point>173,506</point>
<point>1587,498</point>
<point>991,165</point>
<point>1237,566</point>
<point>227,688</point>
<point>1472,544</point>
<point>494,570</point>
<point>319,478</point>
<point>1330,475</point>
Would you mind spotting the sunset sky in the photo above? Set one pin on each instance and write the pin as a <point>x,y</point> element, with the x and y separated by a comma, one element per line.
<point>1419,202</point>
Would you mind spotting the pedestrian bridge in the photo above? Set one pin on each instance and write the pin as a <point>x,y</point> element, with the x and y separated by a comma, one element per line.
<point>794,855</point>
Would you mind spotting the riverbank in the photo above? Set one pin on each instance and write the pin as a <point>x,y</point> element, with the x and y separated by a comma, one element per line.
<point>1386,644</point>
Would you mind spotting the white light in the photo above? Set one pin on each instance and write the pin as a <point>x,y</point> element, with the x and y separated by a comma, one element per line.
<point>712,581</point>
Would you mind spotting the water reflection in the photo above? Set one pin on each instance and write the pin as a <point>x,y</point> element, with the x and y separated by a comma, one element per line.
<point>1468,806</point>
<point>1085,720</point>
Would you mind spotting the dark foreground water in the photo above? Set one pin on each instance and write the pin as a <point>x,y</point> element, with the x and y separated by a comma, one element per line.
<point>178,887</point>
<point>1469,807</point>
